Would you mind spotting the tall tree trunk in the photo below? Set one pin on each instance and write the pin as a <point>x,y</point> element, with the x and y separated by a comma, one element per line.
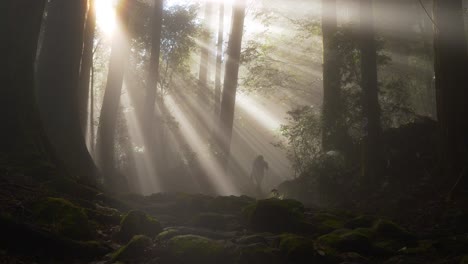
<point>372,144</point>
<point>230,80</point>
<point>150,119</point>
<point>22,134</point>
<point>219,60</point>
<point>86,64</point>
<point>450,65</point>
<point>332,126</point>
<point>205,55</point>
<point>91,115</point>
<point>110,105</point>
<point>58,77</point>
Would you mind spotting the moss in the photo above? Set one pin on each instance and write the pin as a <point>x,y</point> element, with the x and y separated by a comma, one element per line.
<point>388,229</point>
<point>345,240</point>
<point>362,221</point>
<point>168,234</point>
<point>464,260</point>
<point>195,249</point>
<point>326,222</point>
<point>138,223</point>
<point>253,239</point>
<point>64,218</point>
<point>297,249</point>
<point>134,250</point>
<point>258,254</point>
<point>274,215</point>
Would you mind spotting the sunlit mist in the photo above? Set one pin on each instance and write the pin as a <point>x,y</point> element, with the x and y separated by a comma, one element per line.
<point>105,15</point>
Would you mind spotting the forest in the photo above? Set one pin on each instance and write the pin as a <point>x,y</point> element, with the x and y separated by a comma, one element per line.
<point>243,132</point>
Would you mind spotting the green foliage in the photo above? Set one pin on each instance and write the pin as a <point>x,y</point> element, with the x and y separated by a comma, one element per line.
<point>304,140</point>
<point>64,218</point>
<point>138,223</point>
<point>180,28</point>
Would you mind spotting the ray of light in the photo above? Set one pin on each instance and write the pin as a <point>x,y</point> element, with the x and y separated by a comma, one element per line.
<point>221,182</point>
<point>105,16</point>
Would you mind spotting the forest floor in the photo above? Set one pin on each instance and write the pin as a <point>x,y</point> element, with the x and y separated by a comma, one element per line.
<point>55,220</point>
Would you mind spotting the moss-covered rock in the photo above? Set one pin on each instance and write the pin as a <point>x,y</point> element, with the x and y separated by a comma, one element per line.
<point>252,239</point>
<point>344,240</point>
<point>388,229</point>
<point>297,249</point>
<point>274,215</point>
<point>196,249</point>
<point>64,218</point>
<point>168,234</point>
<point>464,260</point>
<point>326,222</point>
<point>134,250</point>
<point>258,253</point>
<point>138,223</point>
<point>362,221</point>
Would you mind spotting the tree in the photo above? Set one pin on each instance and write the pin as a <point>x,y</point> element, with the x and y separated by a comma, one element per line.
<point>152,81</point>
<point>110,106</point>
<point>333,132</point>
<point>58,78</point>
<point>370,102</point>
<point>86,63</point>
<point>231,80</point>
<point>450,64</point>
<point>22,133</point>
<point>219,60</point>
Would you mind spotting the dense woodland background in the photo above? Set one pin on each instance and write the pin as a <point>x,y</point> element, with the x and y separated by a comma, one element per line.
<point>118,113</point>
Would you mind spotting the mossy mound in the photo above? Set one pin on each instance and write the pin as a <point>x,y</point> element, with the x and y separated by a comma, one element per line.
<point>134,250</point>
<point>298,249</point>
<point>64,218</point>
<point>383,238</point>
<point>362,221</point>
<point>195,249</point>
<point>346,241</point>
<point>138,223</point>
<point>326,222</point>
<point>259,253</point>
<point>389,229</point>
<point>275,215</point>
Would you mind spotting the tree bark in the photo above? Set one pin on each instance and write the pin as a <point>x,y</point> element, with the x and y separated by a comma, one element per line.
<point>450,65</point>
<point>22,133</point>
<point>151,120</point>
<point>333,132</point>
<point>231,80</point>
<point>86,64</point>
<point>371,144</point>
<point>58,78</point>
<point>219,60</point>
<point>110,106</point>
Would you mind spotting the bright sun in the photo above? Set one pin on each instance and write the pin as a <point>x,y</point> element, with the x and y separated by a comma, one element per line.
<point>105,15</point>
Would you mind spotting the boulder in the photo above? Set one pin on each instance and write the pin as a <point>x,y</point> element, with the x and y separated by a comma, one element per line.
<point>65,218</point>
<point>134,250</point>
<point>138,223</point>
